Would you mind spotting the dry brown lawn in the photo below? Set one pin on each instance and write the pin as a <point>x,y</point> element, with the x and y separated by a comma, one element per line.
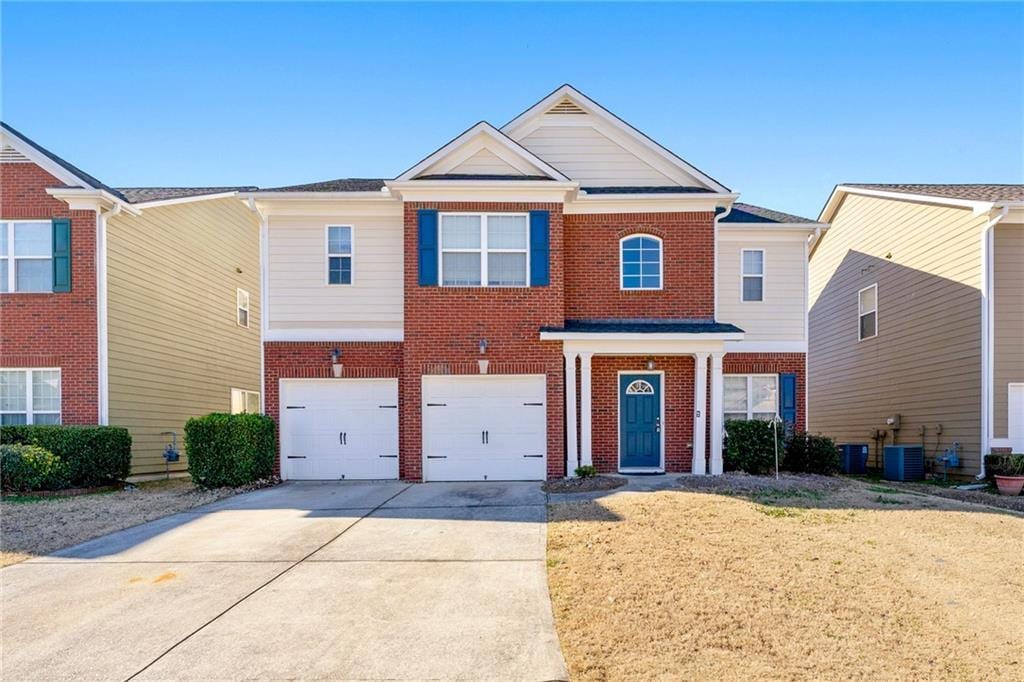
<point>33,527</point>
<point>843,581</point>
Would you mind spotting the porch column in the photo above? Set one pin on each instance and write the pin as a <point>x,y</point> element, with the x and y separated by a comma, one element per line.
<point>700,416</point>
<point>586,432</point>
<point>570,413</point>
<point>717,389</point>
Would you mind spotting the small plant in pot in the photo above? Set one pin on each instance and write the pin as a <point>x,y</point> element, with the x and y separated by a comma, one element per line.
<point>1008,470</point>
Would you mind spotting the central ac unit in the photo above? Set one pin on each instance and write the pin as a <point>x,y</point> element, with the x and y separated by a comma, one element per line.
<point>904,463</point>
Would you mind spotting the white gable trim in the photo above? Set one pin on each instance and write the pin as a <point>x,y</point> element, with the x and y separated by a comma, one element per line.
<point>467,144</point>
<point>840,191</point>
<point>29,151</point>
<point>648,150</point>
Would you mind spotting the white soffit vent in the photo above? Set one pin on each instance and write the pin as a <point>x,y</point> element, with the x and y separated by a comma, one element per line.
<point>566,106</point>
<point>9,154</point>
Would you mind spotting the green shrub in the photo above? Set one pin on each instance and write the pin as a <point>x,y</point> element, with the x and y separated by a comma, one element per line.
<point>92,455</point>
<point>750,446</point>
<point>811,454</point>
<point>1004,465</point>
<point>229,449</point>
<point>586,471</point>
<point>24,468</point>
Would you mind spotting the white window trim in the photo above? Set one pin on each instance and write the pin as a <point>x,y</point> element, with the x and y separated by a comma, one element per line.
<point>744,275</point>
<point>351,255</point>
<point>244,394</point>
<point>862,314</point>
<point>482,251</point>
<point>750,393</point>
<point>7,224</point>
<point>661,264</point>
<point>29,412</point>
<point>239,308</point>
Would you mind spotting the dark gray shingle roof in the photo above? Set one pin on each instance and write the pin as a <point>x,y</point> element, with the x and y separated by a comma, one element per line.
<point>748,213</point>
<point>673,189</point>
<point>141,194</point>
<point>645,326</point>
<point>339,185</point>
<point>969,192</point>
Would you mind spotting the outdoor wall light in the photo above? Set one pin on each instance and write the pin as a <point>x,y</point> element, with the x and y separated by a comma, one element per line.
<point>483,363</point>
<point>483,346</point>
<point>650,363</point>
<point>336,366</point>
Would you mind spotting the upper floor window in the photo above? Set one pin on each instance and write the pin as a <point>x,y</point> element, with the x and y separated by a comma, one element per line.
<point>867,312</point>
<point>339,254</point>
<point>640,262</point>
<point>752,264</point>
<point>750,396</point>
<point>26,256</point>
<point>243,401</point>
<point>242,307</point>
<point>29,396</point>
<point>484,250</point>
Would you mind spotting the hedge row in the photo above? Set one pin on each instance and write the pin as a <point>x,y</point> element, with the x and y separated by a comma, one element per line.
<point>229,449</point>
<point>90,455</point>
<point>750,446</point>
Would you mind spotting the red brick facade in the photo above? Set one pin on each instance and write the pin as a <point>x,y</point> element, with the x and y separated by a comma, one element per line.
<point>774,363</point>
<point>592,286</point>
<point>49,329</point>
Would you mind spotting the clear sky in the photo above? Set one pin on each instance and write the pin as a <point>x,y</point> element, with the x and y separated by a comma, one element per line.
<point>777,101</point>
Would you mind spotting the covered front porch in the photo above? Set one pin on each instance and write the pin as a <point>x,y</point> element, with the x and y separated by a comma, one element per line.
<point>638,397</point>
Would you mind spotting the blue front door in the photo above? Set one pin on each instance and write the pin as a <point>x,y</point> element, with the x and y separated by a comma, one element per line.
<point>639,421</point>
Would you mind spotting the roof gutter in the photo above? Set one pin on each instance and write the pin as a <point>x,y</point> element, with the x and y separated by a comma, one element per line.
<point>988,334</point>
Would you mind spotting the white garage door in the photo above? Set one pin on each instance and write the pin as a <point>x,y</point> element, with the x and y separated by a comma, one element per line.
<point>339,428</point>
<point>484,428</point>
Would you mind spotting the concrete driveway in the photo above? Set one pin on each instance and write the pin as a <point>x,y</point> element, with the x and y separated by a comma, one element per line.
<point>379,580</point>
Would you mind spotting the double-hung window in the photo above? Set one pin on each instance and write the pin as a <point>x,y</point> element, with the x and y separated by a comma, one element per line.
<point>484,250</point>
<point>26,256</point>
<point>243,401</point>
<point>750,396</point>
<point>867,312</point>
<point>29,396</point>
<point>339,254</point>
<point>242,307</point>
<point>752,284</point>
<point>640,262</point>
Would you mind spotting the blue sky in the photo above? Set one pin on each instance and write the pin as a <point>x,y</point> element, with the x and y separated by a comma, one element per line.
<point>777,101</point>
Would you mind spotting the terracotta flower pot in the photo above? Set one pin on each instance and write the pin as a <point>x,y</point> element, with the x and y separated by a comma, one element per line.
<point>1010,485</point>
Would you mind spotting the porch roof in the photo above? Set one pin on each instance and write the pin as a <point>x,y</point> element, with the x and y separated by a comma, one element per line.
<point>643,328</point>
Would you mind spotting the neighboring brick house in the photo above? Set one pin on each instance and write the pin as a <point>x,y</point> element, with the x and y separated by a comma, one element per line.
<point>560,291</point>
<point>134,306</point>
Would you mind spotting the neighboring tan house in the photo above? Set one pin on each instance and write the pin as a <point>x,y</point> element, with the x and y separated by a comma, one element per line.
<point>132,307</point>
<point>917,314</point>
<point>558,291</point>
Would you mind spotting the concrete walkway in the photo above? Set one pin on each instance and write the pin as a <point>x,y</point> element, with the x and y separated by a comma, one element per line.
<point>352,580</point>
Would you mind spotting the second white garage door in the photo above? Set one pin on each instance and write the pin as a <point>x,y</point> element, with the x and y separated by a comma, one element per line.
<point>484,428</point>
<point>339,428</point>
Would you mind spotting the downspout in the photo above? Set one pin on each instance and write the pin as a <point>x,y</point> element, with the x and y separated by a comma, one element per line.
<point>264,303</point>
<point>987,334</point>
<point>714,256</point>
<point>102,352</point>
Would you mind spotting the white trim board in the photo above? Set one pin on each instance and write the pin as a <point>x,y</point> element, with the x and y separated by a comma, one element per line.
<point>339,334</point>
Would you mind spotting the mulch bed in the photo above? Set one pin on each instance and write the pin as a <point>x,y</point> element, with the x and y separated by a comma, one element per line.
<point>584,485</point>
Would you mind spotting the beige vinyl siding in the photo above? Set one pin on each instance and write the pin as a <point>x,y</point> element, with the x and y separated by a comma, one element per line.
<point>925,363</point>
<point>300,297</point>
<point>780,316</point>
<point>1008,299</point>
<point>175,348</point>
<point>585,154</point>
<point>484,162</point>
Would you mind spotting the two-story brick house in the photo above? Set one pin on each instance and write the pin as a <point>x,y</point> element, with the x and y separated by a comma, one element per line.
<point>559,291</point>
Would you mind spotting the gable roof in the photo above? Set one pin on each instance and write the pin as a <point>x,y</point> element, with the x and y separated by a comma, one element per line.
<point>568,95</point>
<point>338,185</point>
<point>749,213</point>
<point>137,195</point>
<point>977,197</point>
<point>504,146</point>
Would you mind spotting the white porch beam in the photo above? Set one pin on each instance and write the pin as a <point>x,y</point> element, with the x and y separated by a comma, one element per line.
<point>717,389</point>
<point>586,429</point>
<point>570,413</point>
<point>700,416</point>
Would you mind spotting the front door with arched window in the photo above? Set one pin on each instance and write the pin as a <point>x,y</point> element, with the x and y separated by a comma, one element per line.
<point>640,421</point>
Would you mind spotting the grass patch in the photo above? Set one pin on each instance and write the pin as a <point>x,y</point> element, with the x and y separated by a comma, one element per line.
<point>889,500</point>
<point>772,496</point>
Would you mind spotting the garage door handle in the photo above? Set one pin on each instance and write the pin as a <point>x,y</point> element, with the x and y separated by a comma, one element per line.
<point>534,404</point>
<point>534,456</point>
<point>437,456</point>
<point>389,456</point>
<point>393,407</point>
<point>437,404</point>
<point>295,407</point>
<point>342,438</point>
<point>296,457</point>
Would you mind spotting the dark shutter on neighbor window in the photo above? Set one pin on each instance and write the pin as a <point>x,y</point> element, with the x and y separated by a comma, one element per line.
<point>787,398</point>
<point>540,248</point>
<point>61,255</point>
<point>427,245</point>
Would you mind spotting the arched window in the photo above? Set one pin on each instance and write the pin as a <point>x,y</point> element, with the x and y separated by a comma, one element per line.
<point>640,387</point>
<point>640,262</point>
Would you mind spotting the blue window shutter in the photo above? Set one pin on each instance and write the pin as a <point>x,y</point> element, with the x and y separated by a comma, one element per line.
<point>61,255</point>
<point>427,238</point>
<point>787,398</point>
<point>540,249</point>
